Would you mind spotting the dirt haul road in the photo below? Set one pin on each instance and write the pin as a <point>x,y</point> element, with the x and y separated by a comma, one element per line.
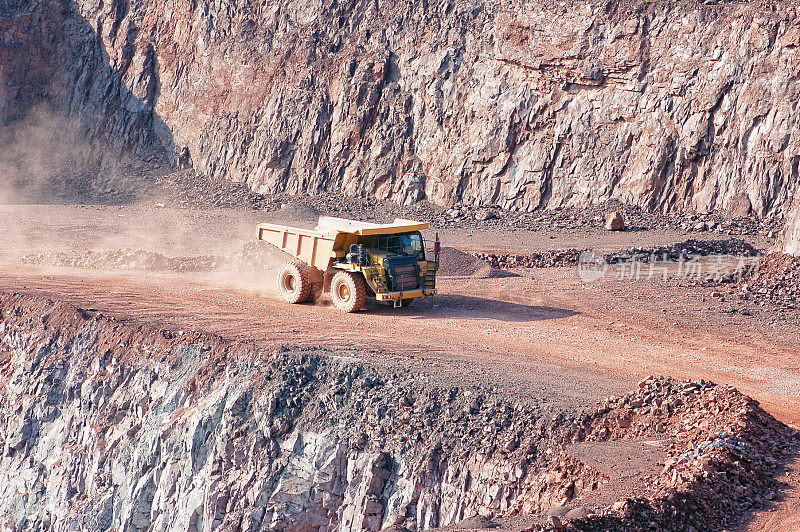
<point>544,328</point>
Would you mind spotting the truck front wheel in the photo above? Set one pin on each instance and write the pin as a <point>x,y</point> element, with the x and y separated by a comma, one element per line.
<point>348,291</point>
<point>294,285</point>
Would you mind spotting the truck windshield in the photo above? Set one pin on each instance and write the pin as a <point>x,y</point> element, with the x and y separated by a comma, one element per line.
<point>407,244</point>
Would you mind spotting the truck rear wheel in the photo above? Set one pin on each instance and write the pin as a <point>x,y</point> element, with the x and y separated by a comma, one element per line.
<point>294,285</point>
<point>348,291</point>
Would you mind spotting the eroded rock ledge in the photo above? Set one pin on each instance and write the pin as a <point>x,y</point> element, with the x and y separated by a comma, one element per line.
<point>117,425</point>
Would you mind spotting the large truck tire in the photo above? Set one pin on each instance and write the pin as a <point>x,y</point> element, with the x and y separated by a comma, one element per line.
<point>348,291</point>
<point>294,285</point>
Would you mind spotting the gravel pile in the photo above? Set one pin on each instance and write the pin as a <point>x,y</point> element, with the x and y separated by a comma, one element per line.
<point>453,262</point>
<point>777,280</point>
<point>674,253</point>
<point>252,257</point>
<point>723,462</point>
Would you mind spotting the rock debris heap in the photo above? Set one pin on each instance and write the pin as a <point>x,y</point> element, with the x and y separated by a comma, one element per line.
<point>777,279</point>
<point>110,425</point>
<point>681,251</point>
<point>253,256</point>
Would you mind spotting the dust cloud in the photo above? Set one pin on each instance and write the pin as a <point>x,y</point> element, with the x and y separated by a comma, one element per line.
<point>210,246</point>
<point>64,206</point>
<point>43,156</point>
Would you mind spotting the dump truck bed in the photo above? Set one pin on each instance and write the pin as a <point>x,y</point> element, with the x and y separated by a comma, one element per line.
<point>332,225</point>
<point>312,247</point>
<point>316,246</point>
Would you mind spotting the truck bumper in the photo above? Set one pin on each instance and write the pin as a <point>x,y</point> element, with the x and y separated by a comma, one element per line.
<point>410,294</point>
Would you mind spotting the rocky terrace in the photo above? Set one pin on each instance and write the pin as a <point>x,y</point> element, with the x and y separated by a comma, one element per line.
<point>111,424</point>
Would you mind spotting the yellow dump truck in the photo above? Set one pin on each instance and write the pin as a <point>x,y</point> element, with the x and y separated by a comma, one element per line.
<point>353,260</point>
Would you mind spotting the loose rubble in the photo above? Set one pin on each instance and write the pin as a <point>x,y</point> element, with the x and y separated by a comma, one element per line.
<point>253,256</point>
<point>548,259</point>
<point>774,280</point>
<point>777,279</point>
<point>189,189</point>
<point>681,251</point>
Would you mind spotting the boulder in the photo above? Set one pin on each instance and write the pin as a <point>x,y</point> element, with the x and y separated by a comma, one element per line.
<point>615,221</point>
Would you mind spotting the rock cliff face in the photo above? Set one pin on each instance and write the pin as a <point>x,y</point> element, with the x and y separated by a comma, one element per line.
<point>790,241</point>
<point>521,105</point>
<point>69,119</point>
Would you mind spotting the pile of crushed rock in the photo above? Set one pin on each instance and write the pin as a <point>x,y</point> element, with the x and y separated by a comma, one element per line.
<point>681,251</point>
<point>253,256</point>
<point>777,279</point>
<point>456,263</point>
<point>772,280</point>
<point>725,455</point>
<point>188,189</point>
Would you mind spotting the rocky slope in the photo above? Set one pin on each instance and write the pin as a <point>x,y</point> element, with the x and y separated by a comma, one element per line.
<point>789,242</point>
<point>114,425</point>
<point>521,104</point>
